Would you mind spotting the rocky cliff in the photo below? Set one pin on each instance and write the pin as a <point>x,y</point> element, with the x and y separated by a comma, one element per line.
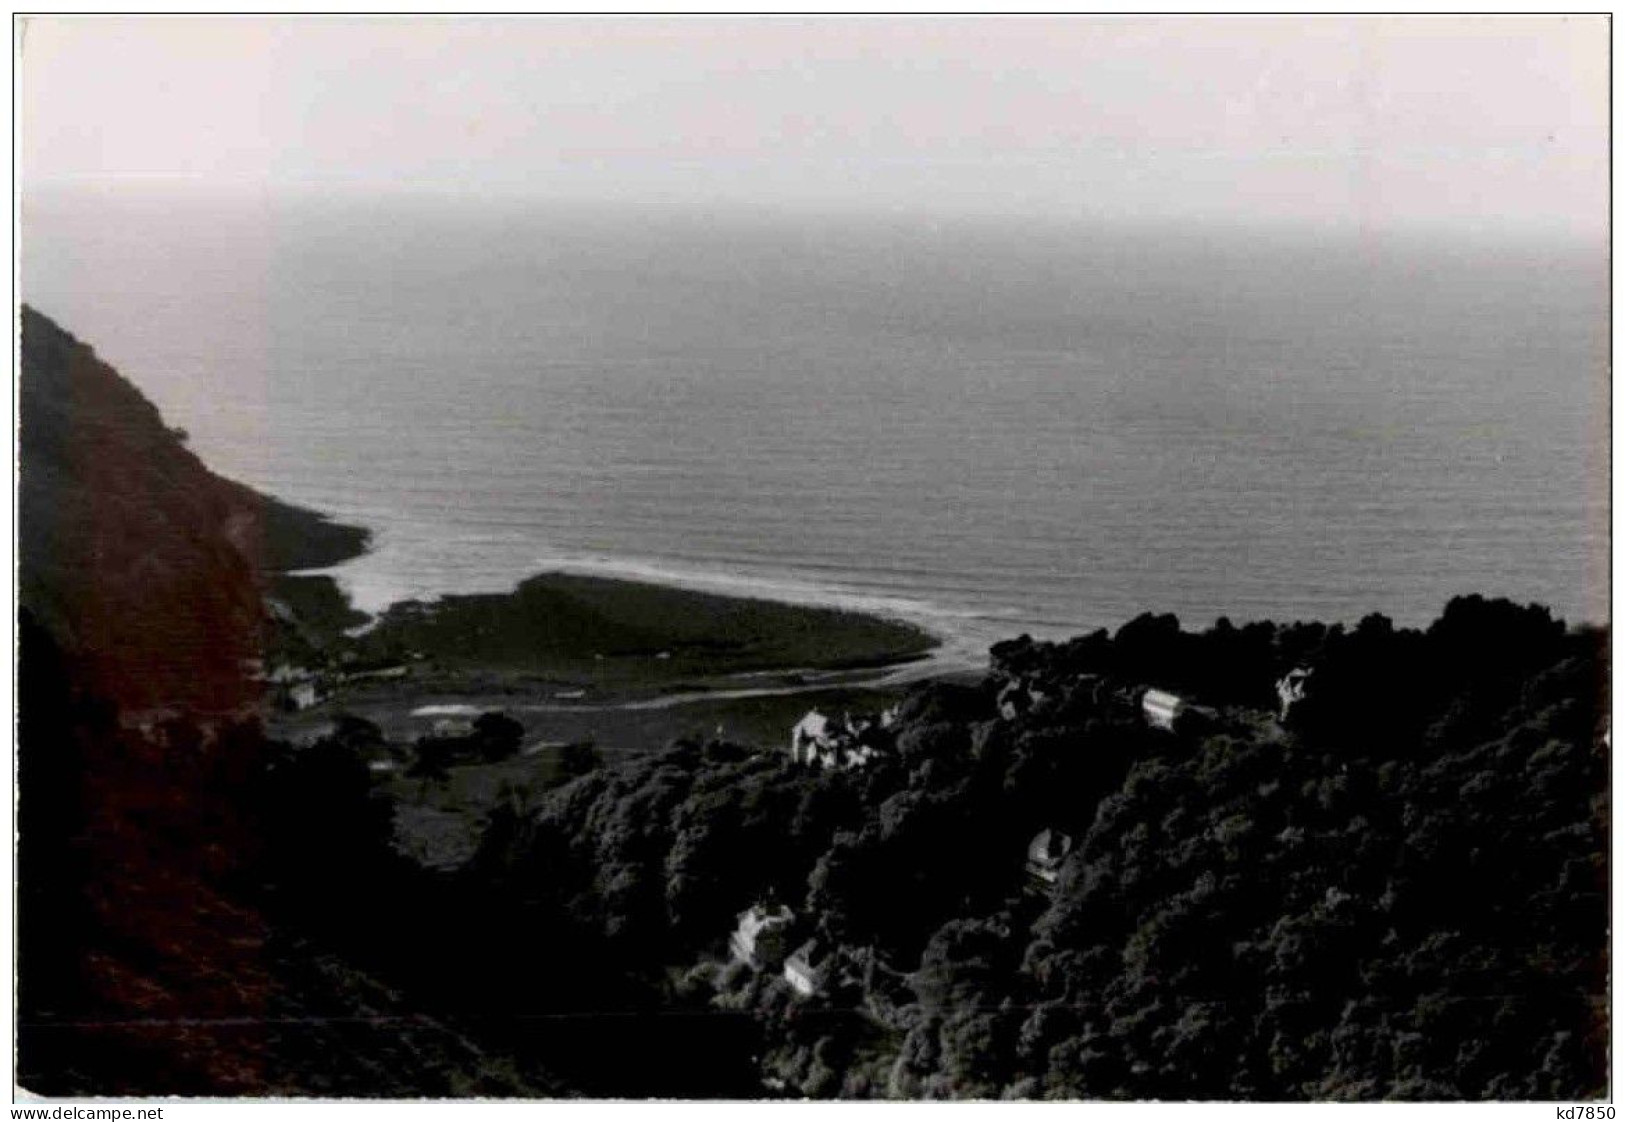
<point>146,566</point>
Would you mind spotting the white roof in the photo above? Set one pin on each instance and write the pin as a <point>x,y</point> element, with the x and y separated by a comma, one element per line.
<point>757,918</point>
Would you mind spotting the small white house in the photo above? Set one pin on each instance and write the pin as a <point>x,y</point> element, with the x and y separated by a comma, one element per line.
<point>293,687</point>
<point>1162,708</point>
<point>809,734</point>
<point>1045,853</point>
<point>759,940</point>
<point>302,695</point>
<point>818,741</point>
<point>1290,689</point>
<point>807,969</point>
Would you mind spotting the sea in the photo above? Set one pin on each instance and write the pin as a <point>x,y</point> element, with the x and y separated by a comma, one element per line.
<point>988,426</point>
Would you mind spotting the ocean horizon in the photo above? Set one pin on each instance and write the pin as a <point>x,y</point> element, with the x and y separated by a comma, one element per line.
<point>984,428</point>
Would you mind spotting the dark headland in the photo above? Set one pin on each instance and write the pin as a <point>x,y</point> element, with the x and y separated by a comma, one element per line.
<point>561,841</point>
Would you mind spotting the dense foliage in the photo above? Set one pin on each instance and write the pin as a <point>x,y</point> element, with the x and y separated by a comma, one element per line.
<point>1399,891</point>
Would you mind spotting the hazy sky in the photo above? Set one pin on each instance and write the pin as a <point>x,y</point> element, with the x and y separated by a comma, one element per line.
<point>1492,123</point>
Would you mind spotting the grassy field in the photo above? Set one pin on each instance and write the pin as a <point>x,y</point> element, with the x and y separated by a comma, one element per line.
<point>438,822</point>
<point>595,630</point>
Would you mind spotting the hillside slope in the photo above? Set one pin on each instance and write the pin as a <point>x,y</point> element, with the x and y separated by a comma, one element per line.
<point>146,566</point>
<point>157,951</point>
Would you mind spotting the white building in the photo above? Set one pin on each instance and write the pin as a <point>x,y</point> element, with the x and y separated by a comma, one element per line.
<point>1290,689</point>
<point>1162,708</point>
<point>302,695</point>
<point>294,687</point>
<point>759,940</point>
<point>810,733</point>
<point>818,741</point>
<point>808,968</point>
<point>1045,853</point>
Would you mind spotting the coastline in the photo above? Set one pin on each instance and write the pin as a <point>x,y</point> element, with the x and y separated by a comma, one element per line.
<point>630,641</point>
<point>631,664</point>
<point>955,640</point>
